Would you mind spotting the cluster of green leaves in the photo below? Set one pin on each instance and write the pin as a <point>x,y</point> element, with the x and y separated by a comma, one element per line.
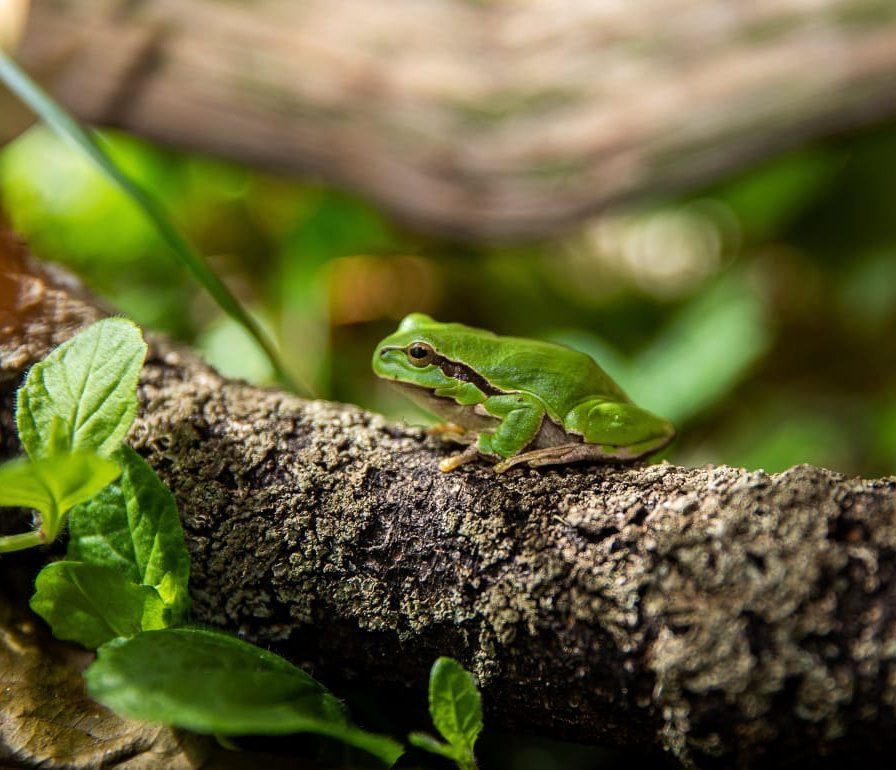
<point>72,413</point>
<point>123,588</point>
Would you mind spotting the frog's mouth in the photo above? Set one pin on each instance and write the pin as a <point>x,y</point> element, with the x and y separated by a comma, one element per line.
<point>471,417</point>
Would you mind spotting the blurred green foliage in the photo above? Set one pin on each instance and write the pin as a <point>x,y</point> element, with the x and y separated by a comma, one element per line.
<point>759,315</point>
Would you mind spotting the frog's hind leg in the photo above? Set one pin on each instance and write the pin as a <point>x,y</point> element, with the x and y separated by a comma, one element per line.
<point>622,431</point>
<point>610,431</point>
<point>571,453</point>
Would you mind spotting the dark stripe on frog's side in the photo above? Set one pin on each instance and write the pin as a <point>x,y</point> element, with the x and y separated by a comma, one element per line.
<point>458,371</point>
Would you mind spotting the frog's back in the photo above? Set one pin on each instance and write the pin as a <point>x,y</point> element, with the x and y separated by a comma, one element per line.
<point>559,376</point>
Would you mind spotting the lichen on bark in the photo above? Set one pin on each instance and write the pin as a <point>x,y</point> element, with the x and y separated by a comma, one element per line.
<point>725,616</point>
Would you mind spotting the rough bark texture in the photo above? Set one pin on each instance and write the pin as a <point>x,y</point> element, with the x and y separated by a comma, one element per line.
<point>730,618</point>
<point>476,117</point>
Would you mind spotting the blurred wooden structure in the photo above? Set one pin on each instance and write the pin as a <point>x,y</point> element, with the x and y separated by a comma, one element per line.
<point>482,119</point>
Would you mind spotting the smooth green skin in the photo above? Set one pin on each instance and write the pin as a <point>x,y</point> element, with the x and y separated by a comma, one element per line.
<point>537,380</point>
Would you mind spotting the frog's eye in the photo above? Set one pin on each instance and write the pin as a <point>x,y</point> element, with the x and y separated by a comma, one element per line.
<point>420,354</point>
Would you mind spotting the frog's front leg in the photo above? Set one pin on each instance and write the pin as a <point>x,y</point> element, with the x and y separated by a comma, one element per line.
<point>455,461</point>
<point>519,416</point>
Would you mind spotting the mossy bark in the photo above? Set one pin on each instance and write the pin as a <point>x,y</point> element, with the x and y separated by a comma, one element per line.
<point>728,617</point>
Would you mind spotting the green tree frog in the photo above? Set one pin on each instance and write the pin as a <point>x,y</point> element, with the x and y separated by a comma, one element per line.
<point>516,400</point>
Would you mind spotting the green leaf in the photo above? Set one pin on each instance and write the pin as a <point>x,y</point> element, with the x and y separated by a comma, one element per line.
<point>83,396</point>
<point>54,485</point>
<point>430,744</point>
<point>772,194</point>
<point>133,527</point>
<point>709,348</point>
<point>213,683</point>
<point>18,81</point>
<point>91,605</point>
<point>455,705</point>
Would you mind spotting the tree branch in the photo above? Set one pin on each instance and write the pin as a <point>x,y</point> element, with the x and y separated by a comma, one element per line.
<point>723,615</point>
<point>476,118</point>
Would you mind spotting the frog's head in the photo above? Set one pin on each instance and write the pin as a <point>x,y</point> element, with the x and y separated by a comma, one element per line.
<point>417,321</point>
<point>410,354</point>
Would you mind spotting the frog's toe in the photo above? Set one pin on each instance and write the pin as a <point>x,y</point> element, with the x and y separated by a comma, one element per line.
<point>451,433</point>
<point>444,428</point>
<point>455,461</point>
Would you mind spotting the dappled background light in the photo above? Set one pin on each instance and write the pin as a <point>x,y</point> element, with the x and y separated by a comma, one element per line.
<point>759,315</point>
<point>663,253</point>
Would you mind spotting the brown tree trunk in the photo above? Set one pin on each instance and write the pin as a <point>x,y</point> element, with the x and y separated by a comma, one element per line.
<point>728,617</point>
<point>478,118</point>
